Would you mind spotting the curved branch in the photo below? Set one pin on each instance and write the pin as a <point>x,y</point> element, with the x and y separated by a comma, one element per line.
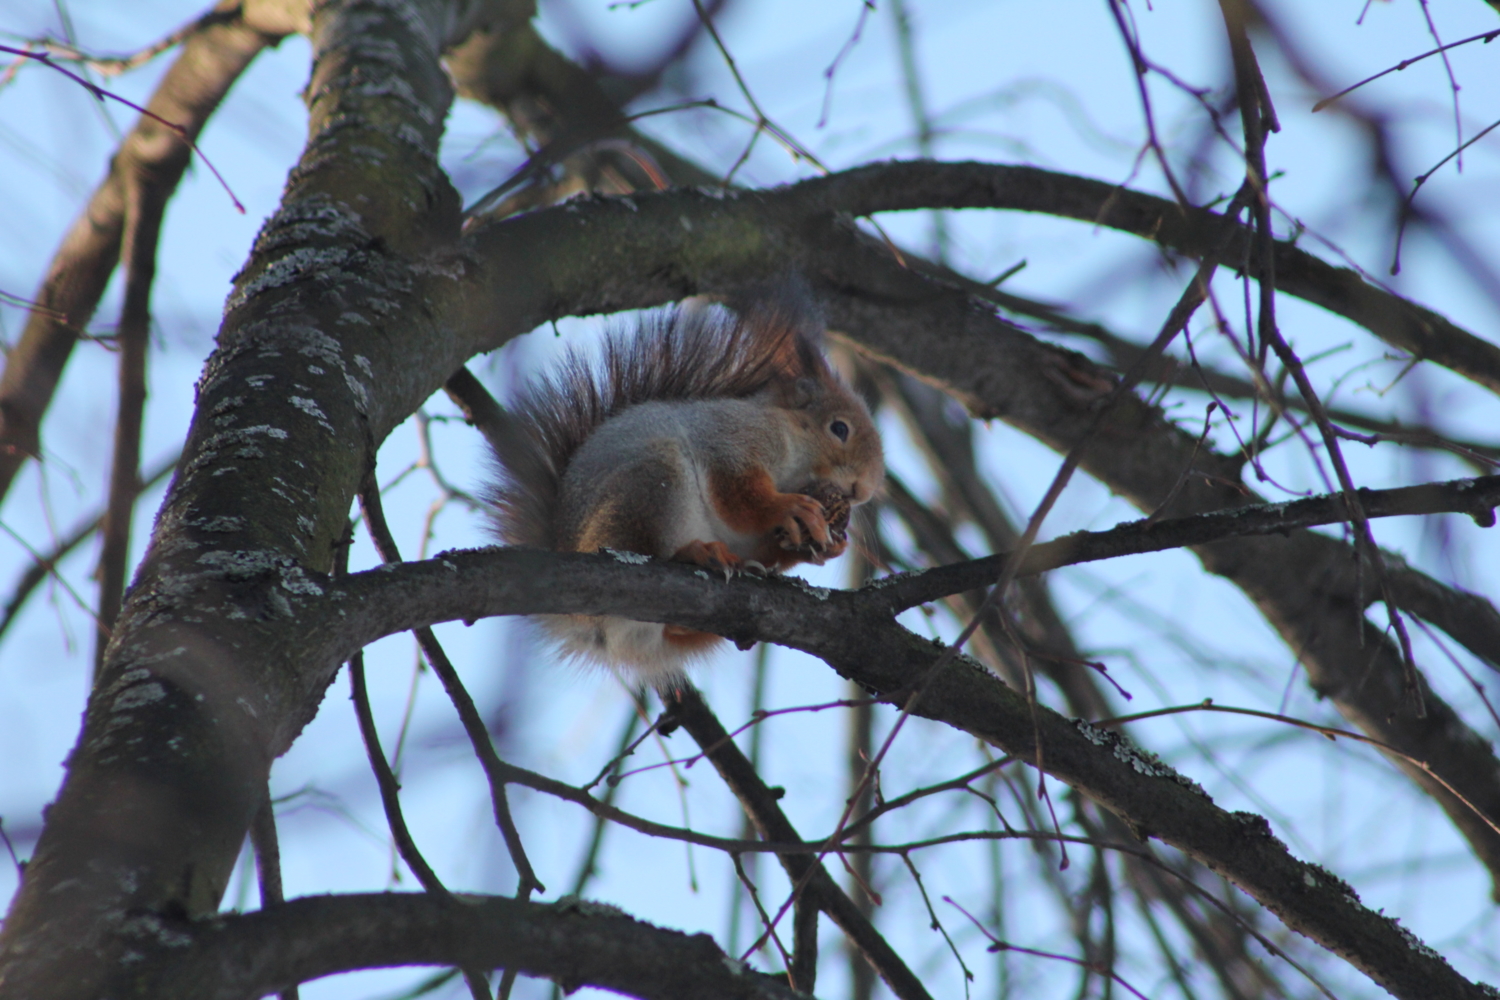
<point>897,186</point>
<point>573,942</point>
<point>855,634</point>
<point>1338,659</point>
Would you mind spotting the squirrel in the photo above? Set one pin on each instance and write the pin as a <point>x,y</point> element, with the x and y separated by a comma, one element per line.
<point>704,436</point>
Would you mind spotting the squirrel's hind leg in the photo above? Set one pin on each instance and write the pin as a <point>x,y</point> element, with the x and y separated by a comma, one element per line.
<point>633,507</point>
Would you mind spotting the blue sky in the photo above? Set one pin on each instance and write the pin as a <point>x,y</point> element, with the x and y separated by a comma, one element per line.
<point>1048,84</point>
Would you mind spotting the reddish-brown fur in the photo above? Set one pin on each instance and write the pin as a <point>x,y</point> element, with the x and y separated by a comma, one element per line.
<point>689,440</point>
<point>749,503</point>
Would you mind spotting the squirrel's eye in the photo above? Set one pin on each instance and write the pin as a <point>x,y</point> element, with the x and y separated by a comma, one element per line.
<point>840,430</point>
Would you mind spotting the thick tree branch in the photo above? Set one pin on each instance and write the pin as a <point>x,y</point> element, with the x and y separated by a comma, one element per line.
<point>213,701</point>
<point>854,633</point>
<point>890,187</point>
<point>574,942</point>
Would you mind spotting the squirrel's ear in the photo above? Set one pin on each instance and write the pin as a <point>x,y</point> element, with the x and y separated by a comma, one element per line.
<point>809,347</point>
<point>793,351</point>
<point>794,393</point>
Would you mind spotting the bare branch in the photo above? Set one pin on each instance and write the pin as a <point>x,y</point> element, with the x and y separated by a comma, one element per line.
<point>44,564</point>
<point>1476,497</point>
<point>854,633</point>
<point>211,60</point>
<point>144,205</point>
<point>437,657</point>
<point>174,851</point>
<point>267,847</point>
<point>1338,658</point>
<point>805,871</point>
<point>890,187</point>
<point>575,942</point>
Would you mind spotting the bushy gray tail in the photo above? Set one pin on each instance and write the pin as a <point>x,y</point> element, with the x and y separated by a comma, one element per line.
<point>686,352</point>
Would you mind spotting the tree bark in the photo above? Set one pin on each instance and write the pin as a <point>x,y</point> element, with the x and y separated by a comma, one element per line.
<point>199,691</point>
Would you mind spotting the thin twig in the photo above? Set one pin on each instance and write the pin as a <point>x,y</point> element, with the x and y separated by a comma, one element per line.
<point>473,723</point>
<point>763,121</point>
<point>100,94</point>
<point>1333,733</point>
<point>765,918</point>
<point>268,863</point>
<point>43,564</point>
<point>1486,37</point>
<point>1422,178</point>
<point>1453,87</point>
<point>806,872</point>
<point>390,799</point>
<point>115,65</point>
<point>1132,44</point>
<point>999,945</point>
<point>1251,88</point>
<point>936,924</point>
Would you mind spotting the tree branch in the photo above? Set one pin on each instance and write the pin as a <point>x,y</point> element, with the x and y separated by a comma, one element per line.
<point>479,735</point>
<point>896,186</point>
<point>1475,497</point>
<point>1304,588</point>
<point>144,205</point>
<point>212,699</point>
<point>45,563</point>
<point>574,942</point>
<point>211,60</point>
<point>854,633</point>
<point>804,870</point>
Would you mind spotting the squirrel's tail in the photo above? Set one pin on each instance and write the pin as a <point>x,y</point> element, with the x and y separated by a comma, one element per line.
<point>693,351</point>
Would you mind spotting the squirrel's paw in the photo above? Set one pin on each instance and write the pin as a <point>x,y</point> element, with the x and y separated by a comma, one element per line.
<point>712,556</point>
<point>803,525</point>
